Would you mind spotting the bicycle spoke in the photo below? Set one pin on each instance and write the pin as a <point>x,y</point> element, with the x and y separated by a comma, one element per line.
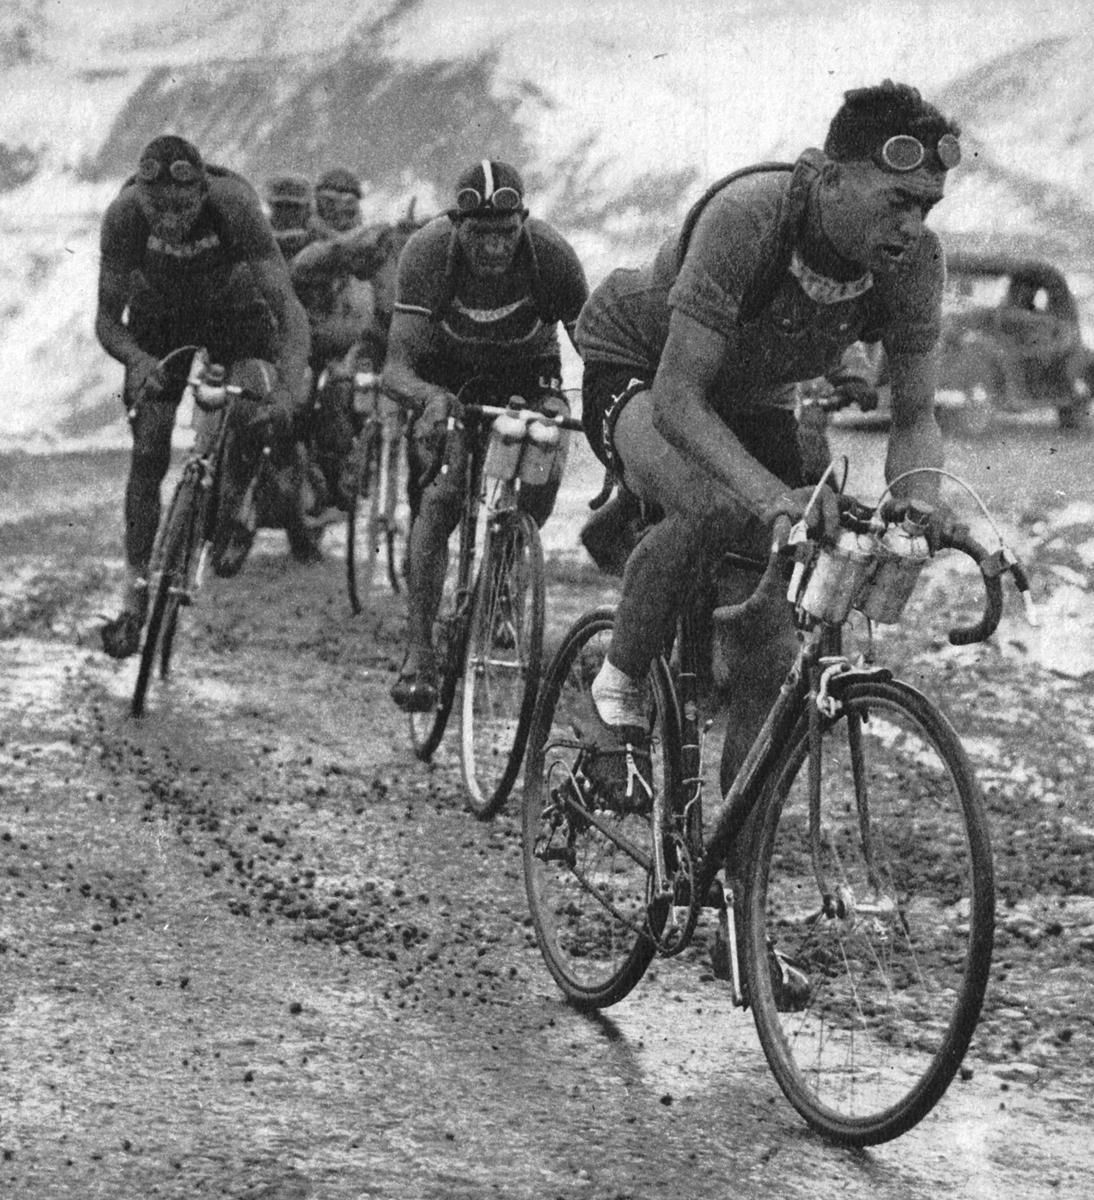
<point>587,873</point>
<point>502,668</point>
<point>885,905</point>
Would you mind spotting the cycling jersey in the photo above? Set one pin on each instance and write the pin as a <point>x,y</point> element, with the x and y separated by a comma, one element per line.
<point>794,336</point>
<point>206,271</point>
<point>491,324</point>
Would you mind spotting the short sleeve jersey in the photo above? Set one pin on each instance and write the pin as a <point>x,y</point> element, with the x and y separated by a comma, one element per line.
<point>492,324</point>
<point>793,338</point>
<point>201,273</point>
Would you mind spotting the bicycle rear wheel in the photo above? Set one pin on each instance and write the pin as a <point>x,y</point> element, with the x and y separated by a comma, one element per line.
<point>175,561</point>
<point>587,870</point>
<point>503,662</point>
<point>884,898</point>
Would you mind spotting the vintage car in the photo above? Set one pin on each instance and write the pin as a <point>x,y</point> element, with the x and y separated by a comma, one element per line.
<point>1010,343</point>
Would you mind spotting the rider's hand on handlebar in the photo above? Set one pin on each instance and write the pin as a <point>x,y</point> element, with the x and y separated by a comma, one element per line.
<point>821,513</point>
<point>430,424</point>
<point>942,524</point>
<point>848,389</point>
<point>145,378</point>
<point>276,419</point>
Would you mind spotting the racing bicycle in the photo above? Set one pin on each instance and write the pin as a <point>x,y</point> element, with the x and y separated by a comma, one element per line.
<point>200,518</point>
<point>849,867</point>
<point>488,634</point>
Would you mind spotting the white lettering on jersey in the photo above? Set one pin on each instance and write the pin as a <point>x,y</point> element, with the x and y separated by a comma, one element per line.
<point>186,249</point>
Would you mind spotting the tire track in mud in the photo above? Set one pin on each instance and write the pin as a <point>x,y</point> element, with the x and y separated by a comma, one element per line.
<point>337,852</point>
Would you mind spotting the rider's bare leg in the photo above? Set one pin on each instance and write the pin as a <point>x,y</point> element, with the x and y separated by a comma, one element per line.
<point>427,560</point>
<point>701,516</point>
<point>151,459</point>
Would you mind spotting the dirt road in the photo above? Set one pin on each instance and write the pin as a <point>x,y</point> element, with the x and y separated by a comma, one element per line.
<point>251,948</point>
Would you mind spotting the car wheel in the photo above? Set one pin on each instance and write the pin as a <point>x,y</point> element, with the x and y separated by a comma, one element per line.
<point>1075,416</point>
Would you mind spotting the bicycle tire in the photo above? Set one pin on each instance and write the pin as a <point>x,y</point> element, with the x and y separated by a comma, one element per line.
<point>392,531</point>
<point>503,661</point>
<point>361,558</point>
<point>449,640</point>
<point>234,517</point>
<point>182,534</point>
<point>589,899</point>
<point>898,959</point>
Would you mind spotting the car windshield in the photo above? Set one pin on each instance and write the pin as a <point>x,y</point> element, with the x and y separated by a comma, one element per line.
<point>973,291</point>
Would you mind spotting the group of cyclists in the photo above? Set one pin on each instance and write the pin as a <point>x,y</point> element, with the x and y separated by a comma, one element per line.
<point>691,362</point>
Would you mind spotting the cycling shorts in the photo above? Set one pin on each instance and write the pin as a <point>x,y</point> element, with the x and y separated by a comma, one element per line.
<point>770,435</point>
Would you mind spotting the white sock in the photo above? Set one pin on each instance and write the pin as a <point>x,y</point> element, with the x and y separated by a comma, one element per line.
<point>618,698</point>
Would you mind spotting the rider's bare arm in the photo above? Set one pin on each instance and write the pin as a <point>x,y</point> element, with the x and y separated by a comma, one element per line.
<point>111,331</point>
<point>271,276</point>
<point>682,414</point>
<point>360,252</point>
<point>409,343</point>
<point>914,437</point>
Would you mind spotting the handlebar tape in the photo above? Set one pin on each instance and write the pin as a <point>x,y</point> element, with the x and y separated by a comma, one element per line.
<point>992,567</point>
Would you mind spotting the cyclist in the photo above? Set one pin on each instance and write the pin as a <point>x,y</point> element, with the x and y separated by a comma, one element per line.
<point>337,202</point>
<point>481,290</point>
<point>187,256</point>
<point>289,201</point>
<point>690,366</point>
<point>332,278</point>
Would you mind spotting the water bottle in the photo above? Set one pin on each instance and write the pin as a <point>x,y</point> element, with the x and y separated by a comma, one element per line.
<point>839,570</point>
<point>902,551</point>
<point>540,447</point>
<point>503,452</point>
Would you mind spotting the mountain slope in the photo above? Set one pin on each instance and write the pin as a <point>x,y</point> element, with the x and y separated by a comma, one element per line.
<point>615,141</point>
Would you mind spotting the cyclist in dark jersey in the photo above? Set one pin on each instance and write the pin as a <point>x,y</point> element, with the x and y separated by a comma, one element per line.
<point>337,202</point>
<point>691,362</point>
<point>289,202</point>
<point>187,256</point>
<point>480,291</point>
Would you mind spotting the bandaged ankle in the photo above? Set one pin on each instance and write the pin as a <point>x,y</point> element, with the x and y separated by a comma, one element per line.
<point>618,697</point>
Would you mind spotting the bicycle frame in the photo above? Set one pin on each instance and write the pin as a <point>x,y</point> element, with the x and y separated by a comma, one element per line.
<point>206,461</point>
<point>496,496</point>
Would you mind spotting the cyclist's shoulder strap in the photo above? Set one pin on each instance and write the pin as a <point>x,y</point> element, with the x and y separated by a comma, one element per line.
<point>778,246</point>
<point>452,275</point>
<point>696,210</point>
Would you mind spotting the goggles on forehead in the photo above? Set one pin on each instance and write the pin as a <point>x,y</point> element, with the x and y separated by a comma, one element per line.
<point>181,171</point>
<point>903,153</point>
<point>503,199</point>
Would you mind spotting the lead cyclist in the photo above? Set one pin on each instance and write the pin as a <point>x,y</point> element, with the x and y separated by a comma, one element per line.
<point>690,366</point>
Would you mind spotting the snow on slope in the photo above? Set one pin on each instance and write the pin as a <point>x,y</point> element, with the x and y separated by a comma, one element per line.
<point>622,99</point>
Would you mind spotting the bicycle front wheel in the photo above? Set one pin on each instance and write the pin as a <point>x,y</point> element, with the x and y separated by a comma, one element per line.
<point>870,915</point>
<point>587,870</point>
<point>176,560</point>
<point>503,661</point>
<point>449,639</point>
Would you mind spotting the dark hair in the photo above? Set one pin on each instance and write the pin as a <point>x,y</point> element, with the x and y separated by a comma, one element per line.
<point>869,116</point>
<point>169,148</point>
<point>288,189</point>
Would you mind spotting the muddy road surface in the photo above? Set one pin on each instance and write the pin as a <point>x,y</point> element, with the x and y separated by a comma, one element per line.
<point>251,948</point>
